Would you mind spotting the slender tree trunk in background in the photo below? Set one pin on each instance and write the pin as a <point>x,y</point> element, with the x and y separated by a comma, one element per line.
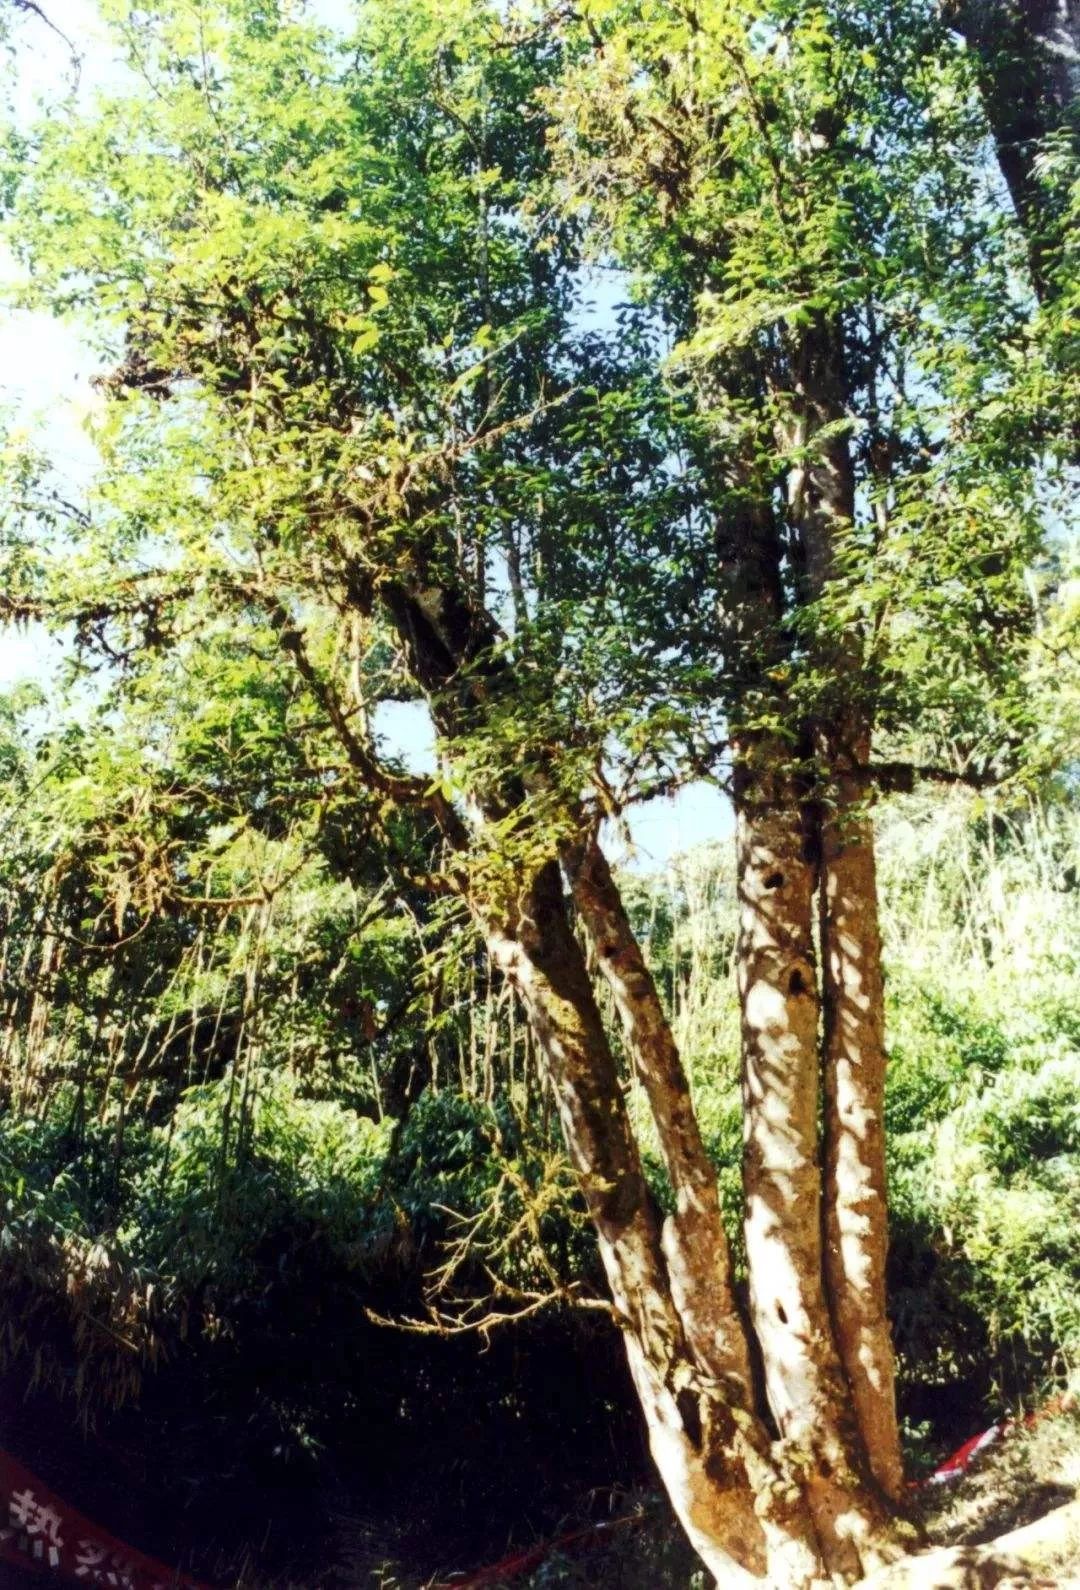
<point>1029,64</point>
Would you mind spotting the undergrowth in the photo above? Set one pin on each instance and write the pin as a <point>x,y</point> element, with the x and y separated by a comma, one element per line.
<point>223,1266</point>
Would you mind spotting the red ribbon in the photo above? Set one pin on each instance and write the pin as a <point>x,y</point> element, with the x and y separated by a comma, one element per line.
<point>42,1534</point>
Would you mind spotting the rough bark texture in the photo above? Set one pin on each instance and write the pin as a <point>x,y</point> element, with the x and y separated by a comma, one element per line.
<point>777,849</point>
<point>778,993</point>
<point>1037,1554</point>
<point>695,1241</point>
<point>856,1217</point>
<point>737,1503</point>
<point>1029,63</point>
<point>745,1517</point>
<point>821,498</point>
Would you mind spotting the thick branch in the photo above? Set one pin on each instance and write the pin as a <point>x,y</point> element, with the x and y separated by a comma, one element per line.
<point>400,788</point>
<point>695,1241</point>
<point>901,778</point>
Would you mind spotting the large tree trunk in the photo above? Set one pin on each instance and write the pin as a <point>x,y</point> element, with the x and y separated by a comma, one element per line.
<point>744,1514</point>
<point>821,493</point>
<point>749,1512</point>
<point>694,1240</point>
<point>1029,64</point>
<point>805,1382</point>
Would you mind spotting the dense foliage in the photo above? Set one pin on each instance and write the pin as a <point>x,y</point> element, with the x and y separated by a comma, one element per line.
<point>197,1276</point>
<point>464,360</point>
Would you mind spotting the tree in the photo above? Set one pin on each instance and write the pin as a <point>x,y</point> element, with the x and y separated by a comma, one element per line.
<point>680,132</point>
<point>359,404</point>
<point>1029,69</point>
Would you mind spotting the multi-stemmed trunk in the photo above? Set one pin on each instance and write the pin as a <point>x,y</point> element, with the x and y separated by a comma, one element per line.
<point>816,1263</point>
<point>740,1509</point>
<point>817,1233</point>
<point>669,1286</point>
<point>694,1437</point>
<point>821,505</point>
<point>806,1380</point>
<point>811,1246</point>
<point>756,1511</point>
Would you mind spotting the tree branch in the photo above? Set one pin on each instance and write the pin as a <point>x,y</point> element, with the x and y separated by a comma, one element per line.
<point>400,788</point>
<point>31,8</point>
<point>901,778</point>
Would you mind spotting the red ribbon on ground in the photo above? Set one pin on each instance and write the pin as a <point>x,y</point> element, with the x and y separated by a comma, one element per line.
<point>521,1562</point>
<point>956,1465</point>
<point>952,1468</point>
<point>42,1534</point>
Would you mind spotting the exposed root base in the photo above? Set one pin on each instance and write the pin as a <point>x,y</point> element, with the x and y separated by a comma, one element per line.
<point>1024,1557</point>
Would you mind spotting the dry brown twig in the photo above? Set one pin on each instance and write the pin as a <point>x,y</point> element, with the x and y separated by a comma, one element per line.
<point>450,1313</point>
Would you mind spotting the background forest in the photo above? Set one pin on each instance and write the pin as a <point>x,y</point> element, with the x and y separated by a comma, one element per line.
<point>468,365</point>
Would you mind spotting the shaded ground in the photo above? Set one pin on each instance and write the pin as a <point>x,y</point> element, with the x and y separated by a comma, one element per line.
<point>1029,1475</point>
<point>359,1542</point>
<point>1033,1472</point>
<point>188,1477</point>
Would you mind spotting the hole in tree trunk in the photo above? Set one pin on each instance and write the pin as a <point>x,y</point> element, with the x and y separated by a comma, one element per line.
<point>781,1313</point>
<point>690,1414</point>
<point>775,880</point>
<point>796,983</point>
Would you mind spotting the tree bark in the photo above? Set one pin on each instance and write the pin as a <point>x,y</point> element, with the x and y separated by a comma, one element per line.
<point>695,1242</point>
<point>856,1208</point>
<point>777,866</point>
<point>744,1515</point>
<point>821,492</point>
<point>1029,65</point>
<point>705,1447</point>
<point>805,1383</point>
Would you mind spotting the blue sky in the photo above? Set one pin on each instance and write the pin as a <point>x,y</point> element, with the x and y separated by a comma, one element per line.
<point>45,375</point>
<point>659,829</point>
